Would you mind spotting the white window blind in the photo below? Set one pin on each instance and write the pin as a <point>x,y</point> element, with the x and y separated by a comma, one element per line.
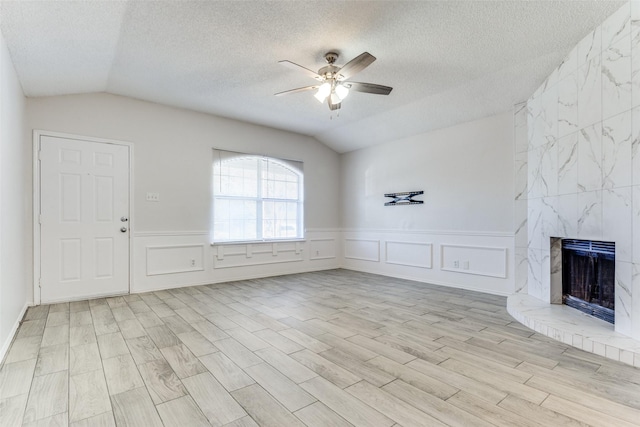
<point>256,197</point>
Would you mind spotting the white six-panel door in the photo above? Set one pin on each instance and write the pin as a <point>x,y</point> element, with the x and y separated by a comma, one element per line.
<point>84,212</point>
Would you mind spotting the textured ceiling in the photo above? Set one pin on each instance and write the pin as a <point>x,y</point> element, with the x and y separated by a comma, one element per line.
<point>448,61</point>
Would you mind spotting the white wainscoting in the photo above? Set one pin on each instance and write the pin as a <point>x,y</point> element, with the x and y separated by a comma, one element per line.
<point>486,260</point>
<point>174,259</point>
<point>480,260</point>
<point>362,249</point>
<point>410,254</point>
<point>170,259</point>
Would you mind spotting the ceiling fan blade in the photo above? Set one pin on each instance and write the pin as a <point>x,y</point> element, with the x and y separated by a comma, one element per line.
<point>305,70</point>
<point>356,65</point>
<point>368,88</point>
<point>300,89</point>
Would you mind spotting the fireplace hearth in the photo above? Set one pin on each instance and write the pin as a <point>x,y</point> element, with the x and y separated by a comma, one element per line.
<point>588,277</point>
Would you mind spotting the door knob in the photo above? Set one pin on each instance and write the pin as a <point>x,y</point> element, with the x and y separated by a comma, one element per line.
<point>123,229</point>
<point>124,219</point>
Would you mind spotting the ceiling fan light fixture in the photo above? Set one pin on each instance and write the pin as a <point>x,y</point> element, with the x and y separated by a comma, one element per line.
<point>335,99</point>
<point>341,91</point>
<point>323,91</point>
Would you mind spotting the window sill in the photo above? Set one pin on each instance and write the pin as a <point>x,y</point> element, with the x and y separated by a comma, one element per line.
<point>255,242</point>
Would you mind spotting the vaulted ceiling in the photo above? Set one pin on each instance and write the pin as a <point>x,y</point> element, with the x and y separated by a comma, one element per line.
<point>448,61</point>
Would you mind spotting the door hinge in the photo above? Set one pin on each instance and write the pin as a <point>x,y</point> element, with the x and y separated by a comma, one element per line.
<point>40,154</point>
<point>40,282</point>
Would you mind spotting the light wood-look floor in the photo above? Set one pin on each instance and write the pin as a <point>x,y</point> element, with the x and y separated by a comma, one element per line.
<point>334,348</point>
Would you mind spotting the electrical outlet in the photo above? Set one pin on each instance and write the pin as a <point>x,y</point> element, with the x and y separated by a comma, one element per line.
<point>153,197</point>
<point>456,264</point>
<point>193,263</point>
<point>465,265</point>
<point>317,253</point>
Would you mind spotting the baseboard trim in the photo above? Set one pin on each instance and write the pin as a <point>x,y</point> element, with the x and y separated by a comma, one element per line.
<point>12,335</point>
<point>235,279</point>
<point>431,282</point>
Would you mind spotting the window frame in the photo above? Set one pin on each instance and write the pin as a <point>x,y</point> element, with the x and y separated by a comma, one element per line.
<point>259,199</point>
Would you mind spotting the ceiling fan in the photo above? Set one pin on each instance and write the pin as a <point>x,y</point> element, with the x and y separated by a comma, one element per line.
<point>333,85</point>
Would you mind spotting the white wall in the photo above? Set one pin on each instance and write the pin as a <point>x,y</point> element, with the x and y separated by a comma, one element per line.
<point>14,192</point>
<point>172,156</point>
<point>466,173</point>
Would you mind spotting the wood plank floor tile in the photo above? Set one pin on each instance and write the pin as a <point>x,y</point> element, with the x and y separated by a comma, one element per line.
<point>182,361</point>
<point>381,349</point>
<point>131,328</point>
<point>333,372</point>
<point>489,412</point>
<point>248,339</point>
<point>80,318</point>
<point>215,402</point>
<point>290,395</point>
<point>319,415</point>
<point>292,369</point>
<point>478,389</point>
<point>134,408</point>
<point>373,373</point>
<point>263,408</point>
<point>59,420</point>
<point>54,335</point>
<point>344,404</point>
<point>197,343</point>
<point>48,396</point>
<point>88,395</point>
<point>144,350</point>
<point>58,318</point>
<point>230,375</point>
<point>235,351</point>
<point>326,348</point>
<point>52,359</point>
<point>242,422</point>
<point>12,410</point>
<point>103,321</point>
<point>162,336</point>
<point>389,405</point>
<point>498,382</point>
<point>24,348</point>
<point>434,406</point>
<point>81,335</point>
<point>15,378</point>
<point>121,374</point>
<point>102,420</point>
<point>182,412</point>
<point>84,358</point>
<point>304,340</point>
<point>111,345</point>
<point>585,413</point>
<point>539,413</point>
<point>163,384</point>
<point>30,328</point>
<point>148,319</point>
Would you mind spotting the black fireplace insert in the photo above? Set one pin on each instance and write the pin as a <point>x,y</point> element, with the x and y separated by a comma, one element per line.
<point>588,277</point>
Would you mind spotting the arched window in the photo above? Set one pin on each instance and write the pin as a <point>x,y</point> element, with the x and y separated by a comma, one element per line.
<point>256,198</point>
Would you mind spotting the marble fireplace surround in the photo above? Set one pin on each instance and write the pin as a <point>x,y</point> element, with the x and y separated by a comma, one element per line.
<point>569,325</point>
<point>577,165</point>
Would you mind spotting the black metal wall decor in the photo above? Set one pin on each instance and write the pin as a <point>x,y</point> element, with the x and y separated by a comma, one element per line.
<point>405,198</point>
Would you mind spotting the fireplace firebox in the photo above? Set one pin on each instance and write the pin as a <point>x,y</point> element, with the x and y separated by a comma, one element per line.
<point>588,277</point>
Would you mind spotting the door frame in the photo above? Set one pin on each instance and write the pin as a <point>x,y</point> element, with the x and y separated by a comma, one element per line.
<point>37,134</point>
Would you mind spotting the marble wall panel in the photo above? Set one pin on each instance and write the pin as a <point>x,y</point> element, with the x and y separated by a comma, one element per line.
<point>616,77</point>
<point>590,158</point>
<point>616,151</point>
<point>568,164</point>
